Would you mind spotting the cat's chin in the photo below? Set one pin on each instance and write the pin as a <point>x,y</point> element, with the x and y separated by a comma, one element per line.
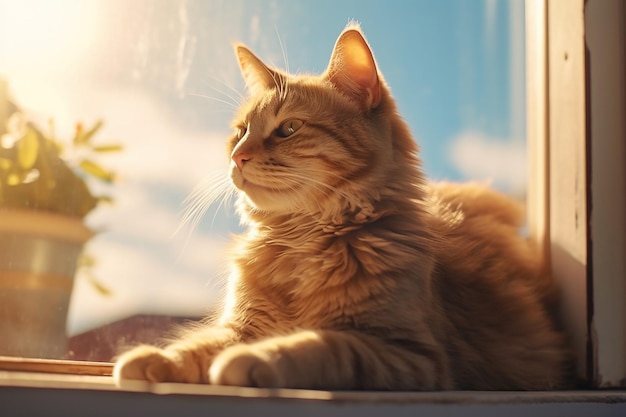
<point>263,198</point>
<point>268,204</point>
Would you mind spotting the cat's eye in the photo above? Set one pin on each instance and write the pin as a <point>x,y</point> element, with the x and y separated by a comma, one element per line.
<point>289,127</point>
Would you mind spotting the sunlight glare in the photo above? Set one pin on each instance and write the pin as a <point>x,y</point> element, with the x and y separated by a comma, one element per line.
<point>40,32</point>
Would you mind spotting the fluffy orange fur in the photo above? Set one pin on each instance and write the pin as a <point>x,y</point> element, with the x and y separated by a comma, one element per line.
<point>355,273</point>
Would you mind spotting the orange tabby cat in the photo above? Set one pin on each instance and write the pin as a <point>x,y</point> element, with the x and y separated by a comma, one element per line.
<point>354,273</point>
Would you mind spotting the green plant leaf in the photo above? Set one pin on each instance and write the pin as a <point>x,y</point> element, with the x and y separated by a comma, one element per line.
<point>5,164</point>
<point>83,136</point>
<point>108,148</point>
<point>79,132</point>
<point>14,178</point>
<point>105,199</point>
<point>96,170</point>
<point>86,261</point>
<point>28,150</point>
<point>98,286</point>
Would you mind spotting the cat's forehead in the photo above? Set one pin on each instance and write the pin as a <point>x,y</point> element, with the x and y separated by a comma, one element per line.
<point>296,99</point>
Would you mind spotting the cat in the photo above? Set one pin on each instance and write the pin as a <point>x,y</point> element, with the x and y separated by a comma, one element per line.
<point>355,273</point>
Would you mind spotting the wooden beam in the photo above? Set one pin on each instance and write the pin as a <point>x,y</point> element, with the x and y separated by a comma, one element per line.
<point>567,161</point>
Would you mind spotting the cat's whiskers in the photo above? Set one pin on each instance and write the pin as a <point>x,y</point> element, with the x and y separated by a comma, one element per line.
<point>284,88</point>
<point>234,95</point>
<point>219,100</point>
<point>295,179</point>
<point>283,50</point>
<point>230,100</point>
<point>280,82</point>
<point>214,188</point>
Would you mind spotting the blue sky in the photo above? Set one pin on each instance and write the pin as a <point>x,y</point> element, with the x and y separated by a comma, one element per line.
<point>161,73</point>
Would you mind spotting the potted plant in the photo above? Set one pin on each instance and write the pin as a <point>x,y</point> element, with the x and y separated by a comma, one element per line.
<point>44,198</point>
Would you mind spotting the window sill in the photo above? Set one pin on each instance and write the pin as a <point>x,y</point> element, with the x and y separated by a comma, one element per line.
<point>89,393</point>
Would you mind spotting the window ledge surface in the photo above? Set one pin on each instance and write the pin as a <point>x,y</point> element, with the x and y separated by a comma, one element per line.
<point>36,393</point>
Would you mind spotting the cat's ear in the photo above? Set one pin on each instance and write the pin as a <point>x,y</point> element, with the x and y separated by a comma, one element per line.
<point>352,68</point>
<point>257,75</point>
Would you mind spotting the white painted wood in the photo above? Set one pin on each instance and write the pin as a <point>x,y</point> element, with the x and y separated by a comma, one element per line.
<point>573,132</point>
<point>537,201</point>
<point>606,40</point>
<point>556,129</point>
<point>567,166</point>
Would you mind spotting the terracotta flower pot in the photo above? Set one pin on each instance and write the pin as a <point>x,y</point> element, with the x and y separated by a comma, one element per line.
<point>38,258</point>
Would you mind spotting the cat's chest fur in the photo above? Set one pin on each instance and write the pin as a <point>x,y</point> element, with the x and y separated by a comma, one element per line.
<point>318,280</point>
<point>322,277</point>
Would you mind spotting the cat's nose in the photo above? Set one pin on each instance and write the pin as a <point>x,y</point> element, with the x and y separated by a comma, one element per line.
<point>240,158</point>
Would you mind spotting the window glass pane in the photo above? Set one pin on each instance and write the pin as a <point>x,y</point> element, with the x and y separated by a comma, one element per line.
<point>162,78</point>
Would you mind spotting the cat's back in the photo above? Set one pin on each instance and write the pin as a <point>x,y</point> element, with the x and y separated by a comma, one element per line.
<point>495,291</point>
<point>480,232</point>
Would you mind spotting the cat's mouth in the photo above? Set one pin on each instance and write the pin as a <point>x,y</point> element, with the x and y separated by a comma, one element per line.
<point>248,186</point>
<point>264,195</point>
<point>267,198</point>
<point>243,182</point>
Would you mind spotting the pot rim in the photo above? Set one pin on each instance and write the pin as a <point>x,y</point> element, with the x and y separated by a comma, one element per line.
<point>41,223</point>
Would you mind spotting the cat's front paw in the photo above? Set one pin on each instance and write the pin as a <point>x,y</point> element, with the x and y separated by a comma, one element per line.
<point>245,366</point>
<point>147,363</point>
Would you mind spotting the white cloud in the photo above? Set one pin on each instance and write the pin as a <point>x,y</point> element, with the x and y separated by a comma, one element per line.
<point>150,269</point>
<point>156,148</point>
<point>135,215</point>
<point>141,282</point>
<point>483,158</point>
<point>255,32</point>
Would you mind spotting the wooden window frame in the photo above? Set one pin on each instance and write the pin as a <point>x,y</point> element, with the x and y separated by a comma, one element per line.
<point>577,179</point>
